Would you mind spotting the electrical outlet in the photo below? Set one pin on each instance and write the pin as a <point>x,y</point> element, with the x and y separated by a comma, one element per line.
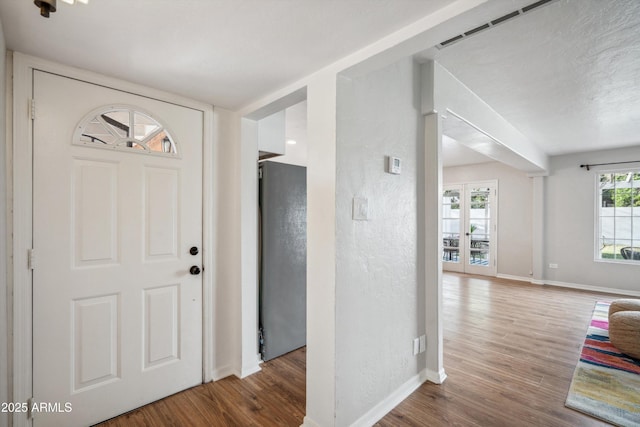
<point>423,343</point>
<point>416,346</point>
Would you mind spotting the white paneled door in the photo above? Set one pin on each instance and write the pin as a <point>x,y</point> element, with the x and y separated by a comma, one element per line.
<point>469,228</point>
<point>117,307</point>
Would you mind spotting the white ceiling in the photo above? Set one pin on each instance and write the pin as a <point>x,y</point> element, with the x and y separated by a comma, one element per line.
<point>457,154</point>
<point>566,75</point>
<point>224,52</point>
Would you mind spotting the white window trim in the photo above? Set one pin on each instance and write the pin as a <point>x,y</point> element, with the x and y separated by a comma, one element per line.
<point>131,108</point>
<point>596,232</point>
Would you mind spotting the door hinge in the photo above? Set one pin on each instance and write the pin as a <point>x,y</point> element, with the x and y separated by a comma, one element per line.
<point>31,259</point>
<point>32,109</point>
<point>260,173</point>
<point>29,407</point>
<point>261,346</point>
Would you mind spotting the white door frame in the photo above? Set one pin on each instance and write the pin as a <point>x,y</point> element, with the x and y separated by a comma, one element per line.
<point>21,223</point>
<point>463,266</point>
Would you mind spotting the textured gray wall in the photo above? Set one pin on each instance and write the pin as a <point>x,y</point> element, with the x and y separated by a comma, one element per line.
<point>570,200</point>
<point>379,277</point>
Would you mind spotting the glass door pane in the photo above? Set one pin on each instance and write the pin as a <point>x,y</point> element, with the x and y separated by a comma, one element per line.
<point>469,235</point>
<point>451,226</point>
<point>480,236</point>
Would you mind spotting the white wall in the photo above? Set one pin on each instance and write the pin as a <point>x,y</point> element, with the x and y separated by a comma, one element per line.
<point>321,202</point>
<point>515,197</point>
<point>4,339</point>
<point>321,251</point>
<point>271,133</point>
<point>570,217</point>
<point>226,321</point>
<point>295,129</point>
<point>379,284</point>
<point>248,316</point>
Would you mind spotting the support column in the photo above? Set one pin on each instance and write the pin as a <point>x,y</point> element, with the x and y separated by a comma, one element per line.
<point>321,251</point>
<point>249,357</point>
<point>537,263</point>
<point>433,247</point>
<point>433,223</point>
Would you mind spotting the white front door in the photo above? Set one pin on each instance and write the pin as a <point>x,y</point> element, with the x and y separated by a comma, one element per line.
<point>469,228</point>
<point>117,316</point>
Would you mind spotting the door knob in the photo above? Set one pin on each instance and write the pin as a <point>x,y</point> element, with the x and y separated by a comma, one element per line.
<point>193,250</point>
<point>195,270</point>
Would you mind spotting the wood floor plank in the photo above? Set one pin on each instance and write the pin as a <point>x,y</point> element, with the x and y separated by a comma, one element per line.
<point>510,351</point>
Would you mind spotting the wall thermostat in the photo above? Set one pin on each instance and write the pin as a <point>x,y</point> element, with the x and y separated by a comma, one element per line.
<point>394,165</point>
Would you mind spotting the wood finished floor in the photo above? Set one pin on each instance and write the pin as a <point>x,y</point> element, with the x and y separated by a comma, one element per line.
<point>510,352</point>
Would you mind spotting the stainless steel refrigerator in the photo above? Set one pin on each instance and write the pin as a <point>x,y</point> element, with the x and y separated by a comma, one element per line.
<point>283,259</point>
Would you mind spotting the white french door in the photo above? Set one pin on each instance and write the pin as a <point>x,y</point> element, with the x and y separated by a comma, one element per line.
<point>117,306</point>
<point>469,228</point>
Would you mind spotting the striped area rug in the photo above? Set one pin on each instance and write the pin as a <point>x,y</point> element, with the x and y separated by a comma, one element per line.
<point>606,383</point>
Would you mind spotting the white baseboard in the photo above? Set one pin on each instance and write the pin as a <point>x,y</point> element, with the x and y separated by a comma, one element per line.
<point>381,409</point>
<point>249,370</point>
<point>222,372</point>
<point>240,372</point>
<point>308,422</point>
<point>518,278</point>
<point>593,288</point>
<point>571,285</point>
<point>252,368</point>
<point>435,377</point>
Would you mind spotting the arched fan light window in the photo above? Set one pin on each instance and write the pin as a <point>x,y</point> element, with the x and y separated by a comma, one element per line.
<point>124,128</point>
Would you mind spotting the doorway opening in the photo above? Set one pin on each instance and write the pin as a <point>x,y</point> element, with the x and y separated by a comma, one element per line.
<point>282,232</point>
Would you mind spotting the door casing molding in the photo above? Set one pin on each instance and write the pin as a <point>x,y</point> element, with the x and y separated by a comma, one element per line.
<point>494,218</point>
<point>21,224</point>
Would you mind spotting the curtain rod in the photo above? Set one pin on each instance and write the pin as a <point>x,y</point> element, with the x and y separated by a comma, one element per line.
<point>605,164</point>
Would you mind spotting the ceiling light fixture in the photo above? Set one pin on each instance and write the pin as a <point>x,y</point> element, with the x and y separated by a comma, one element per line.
<point>49,6</point>
<point>46,7</point>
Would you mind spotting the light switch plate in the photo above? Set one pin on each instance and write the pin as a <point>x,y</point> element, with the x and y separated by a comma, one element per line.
<point>360,209</point>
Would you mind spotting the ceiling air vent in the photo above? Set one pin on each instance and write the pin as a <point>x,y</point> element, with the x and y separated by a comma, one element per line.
<point>451,40</point>
<point>475,30</point>
<point>534,5</point>
<point>493,23</point>
<point>505,17</point>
